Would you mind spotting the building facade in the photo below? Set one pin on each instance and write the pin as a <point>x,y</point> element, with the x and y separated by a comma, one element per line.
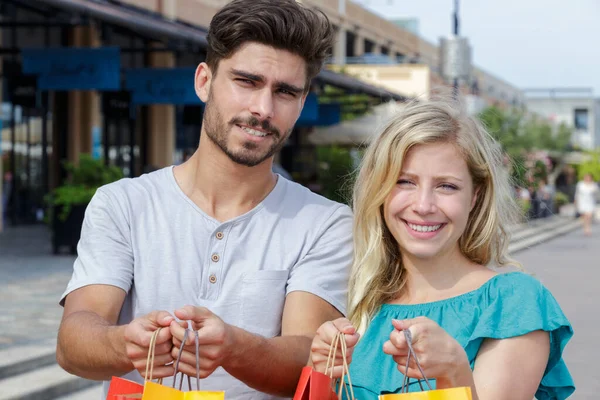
<point>575,107</point>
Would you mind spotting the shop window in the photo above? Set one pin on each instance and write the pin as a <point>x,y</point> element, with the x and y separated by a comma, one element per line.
<point>581,118</point>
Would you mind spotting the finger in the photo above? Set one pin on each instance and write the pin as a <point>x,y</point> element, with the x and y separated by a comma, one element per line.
<point>407,323</point>
<point>411,372</point>
<point>160,318</point>
<point>391,349</point>
<point>164,348</point>
<point>190,370</point>
<point>188,354</point>
<point>325,335</point>
<point>398,339</point>
<point>196,314</point>
<point>164,336</point>
<point>344,325</point>
<point>336,372</point>
<point>177,332</point>
<point>351,340</point>
<point>401,360</point>
<point>158,372</point>
<point>159,361</point>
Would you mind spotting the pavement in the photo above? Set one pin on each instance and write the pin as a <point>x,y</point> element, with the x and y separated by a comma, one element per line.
<point>32,281</point>
<point>569,267</point>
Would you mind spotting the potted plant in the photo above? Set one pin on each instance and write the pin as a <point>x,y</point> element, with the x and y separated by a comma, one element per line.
<point>67,203</point>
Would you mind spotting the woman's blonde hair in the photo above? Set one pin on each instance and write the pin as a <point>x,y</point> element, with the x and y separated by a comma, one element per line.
<point>377,274</point>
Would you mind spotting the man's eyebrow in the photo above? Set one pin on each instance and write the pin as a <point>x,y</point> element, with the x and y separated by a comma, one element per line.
<point>248,75</point>
<point>290,88</point>
<point>260,78</point>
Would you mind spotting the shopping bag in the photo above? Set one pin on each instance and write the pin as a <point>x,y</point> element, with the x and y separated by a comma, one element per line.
<point>122,389</point>
<point>459,393</point>
<point>314,385</point>
<point>157,391</point>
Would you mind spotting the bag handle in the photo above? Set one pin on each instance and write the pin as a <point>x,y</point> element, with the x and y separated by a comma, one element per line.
<point>411,352</point>
<point>196,340</point>
<point>340,338</point>
<point>150,358</point>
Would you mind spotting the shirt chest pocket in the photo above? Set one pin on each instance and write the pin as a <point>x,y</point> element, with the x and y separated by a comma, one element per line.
<point>263,297</point>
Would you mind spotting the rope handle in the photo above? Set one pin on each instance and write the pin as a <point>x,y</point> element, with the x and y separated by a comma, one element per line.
<point>411,352</point>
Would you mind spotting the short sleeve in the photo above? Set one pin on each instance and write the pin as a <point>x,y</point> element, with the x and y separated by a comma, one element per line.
<point>519,304</point>
<point>104,252</point>
<point>324,271</point>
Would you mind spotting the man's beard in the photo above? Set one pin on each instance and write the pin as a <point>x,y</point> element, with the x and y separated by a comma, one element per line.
<point>218,132</point>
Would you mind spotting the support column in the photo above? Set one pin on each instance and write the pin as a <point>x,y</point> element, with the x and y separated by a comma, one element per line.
<point>84,106</point>
<point>376,48</point>
<point>339,51</point>
<point>161,120</point>
<point>359,45</point>
<point>168,8</point>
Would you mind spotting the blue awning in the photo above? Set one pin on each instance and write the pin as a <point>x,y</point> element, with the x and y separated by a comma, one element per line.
<point>160,28</point>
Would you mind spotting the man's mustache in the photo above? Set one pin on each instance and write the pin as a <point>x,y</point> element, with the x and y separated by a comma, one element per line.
<point>253,122</point>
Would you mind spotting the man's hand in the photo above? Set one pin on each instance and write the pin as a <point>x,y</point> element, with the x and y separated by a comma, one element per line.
<point>137,343</point>
<point>214,337</point>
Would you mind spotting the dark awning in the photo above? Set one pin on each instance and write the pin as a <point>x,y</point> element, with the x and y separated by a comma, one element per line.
<point>148,25</point>
<point>160,28</point>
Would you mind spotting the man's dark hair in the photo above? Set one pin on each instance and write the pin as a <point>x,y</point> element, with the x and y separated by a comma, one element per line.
<point>282,24</point>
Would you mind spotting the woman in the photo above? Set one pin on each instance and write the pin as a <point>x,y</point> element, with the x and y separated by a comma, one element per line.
<point>432,205</point>
<point>585,201</point>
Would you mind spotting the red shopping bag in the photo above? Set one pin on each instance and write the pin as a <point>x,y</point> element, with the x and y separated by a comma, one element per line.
<point>123,387</point>
<point>314,385</point>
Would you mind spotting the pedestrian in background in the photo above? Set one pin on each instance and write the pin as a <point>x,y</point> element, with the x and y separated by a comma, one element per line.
<point>585,201</point>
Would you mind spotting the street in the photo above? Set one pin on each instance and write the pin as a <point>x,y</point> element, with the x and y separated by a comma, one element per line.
<point>568,266</point>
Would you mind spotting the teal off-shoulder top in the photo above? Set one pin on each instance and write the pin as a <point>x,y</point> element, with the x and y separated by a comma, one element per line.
<point>508,305</point>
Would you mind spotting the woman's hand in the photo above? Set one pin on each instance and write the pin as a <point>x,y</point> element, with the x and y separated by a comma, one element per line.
<point>441,357</point>
<point>321,346</point>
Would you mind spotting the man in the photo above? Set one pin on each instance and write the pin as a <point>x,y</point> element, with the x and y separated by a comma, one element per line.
<point>220,244</point>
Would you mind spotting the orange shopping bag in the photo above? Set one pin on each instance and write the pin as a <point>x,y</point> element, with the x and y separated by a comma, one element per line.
<point>315,385</point>
<point>459,393</point>
<point>157,391</point>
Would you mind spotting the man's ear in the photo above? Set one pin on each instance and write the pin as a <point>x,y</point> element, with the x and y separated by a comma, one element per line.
<point>202,81</point>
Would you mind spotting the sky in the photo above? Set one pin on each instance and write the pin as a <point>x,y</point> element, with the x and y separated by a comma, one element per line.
<point>528,43</point>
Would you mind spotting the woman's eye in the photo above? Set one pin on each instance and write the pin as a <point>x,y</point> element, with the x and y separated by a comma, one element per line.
<point>448,186</point>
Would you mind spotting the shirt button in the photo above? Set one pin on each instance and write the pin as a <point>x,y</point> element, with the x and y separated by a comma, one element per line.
<point>215,257</point>
<point>219,235</point>
<point>212,279</point>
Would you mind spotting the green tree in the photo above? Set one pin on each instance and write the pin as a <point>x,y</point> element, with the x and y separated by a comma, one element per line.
<point>519,135</point>
<point>336,166</point>
<point>590,166</point>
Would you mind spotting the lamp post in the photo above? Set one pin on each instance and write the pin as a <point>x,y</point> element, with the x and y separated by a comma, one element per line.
<point>456,5</point>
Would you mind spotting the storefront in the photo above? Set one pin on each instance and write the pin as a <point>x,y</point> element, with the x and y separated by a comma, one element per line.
<point>102,78</point>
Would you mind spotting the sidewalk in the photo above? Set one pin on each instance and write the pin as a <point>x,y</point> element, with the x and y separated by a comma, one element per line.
<point>32,281</point>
